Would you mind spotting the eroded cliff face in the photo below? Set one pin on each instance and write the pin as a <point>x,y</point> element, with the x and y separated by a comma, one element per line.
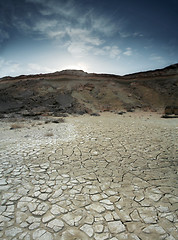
<point>73,91</point>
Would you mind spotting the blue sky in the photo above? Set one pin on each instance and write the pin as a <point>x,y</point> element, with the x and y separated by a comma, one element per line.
<point>108,36</point>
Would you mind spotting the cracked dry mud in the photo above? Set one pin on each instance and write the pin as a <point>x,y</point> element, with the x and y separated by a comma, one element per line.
<point>108,177</point>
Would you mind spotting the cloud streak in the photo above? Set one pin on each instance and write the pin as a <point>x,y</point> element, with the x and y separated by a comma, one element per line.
<point>9,66</point>
<point>89,32</point>
<point>128,52</point>
<point>3,35</point>
<point>61,21</point>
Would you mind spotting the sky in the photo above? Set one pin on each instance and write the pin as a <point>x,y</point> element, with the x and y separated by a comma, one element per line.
<point>101,36</point>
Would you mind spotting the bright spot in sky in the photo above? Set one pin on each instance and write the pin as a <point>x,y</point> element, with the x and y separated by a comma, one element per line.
<point>118,37</point>
<point>78,66</point>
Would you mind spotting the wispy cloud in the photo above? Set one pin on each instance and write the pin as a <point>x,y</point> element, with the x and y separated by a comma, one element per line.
<point>37,68</point>
<point>157,58</point>
<point>3,35</point>
<point>128,51</point>
<point>103,25</point>
<point>45,25</point>
<point>82,41</point>
<point>62,23</point>
<point>110,51</point>
<point>84,35</point>
<point>12,68</point>
<point>60,19</point>
<point>8,67</point>
<point>78,49</point>
<point>63,19</point>
<point>115,52</point>
<point>138,34</point>
<point>65,8</point>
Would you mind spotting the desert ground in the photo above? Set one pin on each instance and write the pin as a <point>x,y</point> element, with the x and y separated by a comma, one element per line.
<point>90,177</point>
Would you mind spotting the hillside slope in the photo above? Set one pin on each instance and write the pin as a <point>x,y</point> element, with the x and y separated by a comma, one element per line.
<point>74,91</point>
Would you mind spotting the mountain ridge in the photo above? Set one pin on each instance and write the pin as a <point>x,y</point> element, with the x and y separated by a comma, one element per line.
<point>76,91</point>
<point>171,69</point>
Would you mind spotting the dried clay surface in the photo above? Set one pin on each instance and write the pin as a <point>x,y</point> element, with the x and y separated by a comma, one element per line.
<point>107,177</point>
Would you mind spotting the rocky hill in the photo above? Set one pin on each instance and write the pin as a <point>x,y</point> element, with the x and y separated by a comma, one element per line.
<point>74,91</point>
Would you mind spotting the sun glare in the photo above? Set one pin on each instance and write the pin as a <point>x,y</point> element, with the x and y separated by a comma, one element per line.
<point>78,66</point>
